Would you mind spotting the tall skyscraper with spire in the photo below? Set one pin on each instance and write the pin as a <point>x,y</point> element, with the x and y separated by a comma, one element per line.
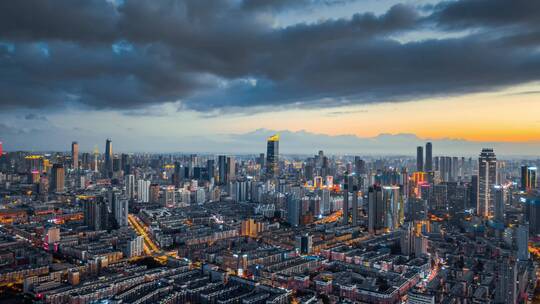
<point>75,155</point>
<point>108,170</point>
<point>487,179</point>
<point>272,156</point>
<point>429,158</point>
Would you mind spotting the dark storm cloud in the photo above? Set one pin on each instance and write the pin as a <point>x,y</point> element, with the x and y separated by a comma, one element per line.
<point>487,13</point>
<point>278,5</point>
<point>32,116</point>
<point>217,55</point>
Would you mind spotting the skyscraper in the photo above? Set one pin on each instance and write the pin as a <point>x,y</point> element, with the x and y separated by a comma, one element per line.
<point>96,214</point>
<point>345,219</point>
<point>293,210</point>
<point>119,206</point>
<point>354,206</point>
<point>419,159</point>
<point>392,207</point>
<point>75,155</point>
<point>272,156</point>
<point>57,178</point>
<point>143,191</point>
<point>231,169</point>
<point>210,169</point>
<point>222,169</point>
<point>108,170</point>
<point>429,158</point>
<point>375,211</point>
<point>528,178</point>
<point>522,242</point>
<point>487,178</point>
<point>499,203</point>
<point>130,186</point>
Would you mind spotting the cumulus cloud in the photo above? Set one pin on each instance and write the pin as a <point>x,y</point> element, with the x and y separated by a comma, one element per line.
<point>136,54</point>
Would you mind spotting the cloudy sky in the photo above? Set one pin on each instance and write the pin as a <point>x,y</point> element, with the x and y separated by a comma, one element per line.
<point>186,75</point>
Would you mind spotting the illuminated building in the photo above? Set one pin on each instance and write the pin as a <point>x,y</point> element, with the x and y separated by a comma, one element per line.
<point>272,156</point>
<point>75,155</point>
<point>419,159</point>
<point>528,178</point>
<point>57,178</point>
<point>318,182</point>
<point>34,163</point>
<point>487,178</point>
<point>1,149</point>
<point>53,235</point>
<point>108,169</point>
<point>429,158</point>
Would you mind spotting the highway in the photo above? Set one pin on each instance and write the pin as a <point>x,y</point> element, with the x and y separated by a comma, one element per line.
<point>149,246</point>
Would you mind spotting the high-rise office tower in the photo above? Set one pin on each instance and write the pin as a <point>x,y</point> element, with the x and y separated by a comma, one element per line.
<point>143,191</point>
<point>392,207</point>
<point>108,170</point>
<point>345,219</point>
<point>210,169</point>
<point>272,156</point>
<point>354,206</point>
<point>231,169</point>
<point>419,159</point>
<point>75,155</point>
<point>130,186</point>
<point>429,158</point>
<point>487,178</point>
<point>375,210</point>
<point>498,193</point>
<point>1,149</point>
<point>222,168</point>
<point>528,178</point>
<point>57,178</point>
